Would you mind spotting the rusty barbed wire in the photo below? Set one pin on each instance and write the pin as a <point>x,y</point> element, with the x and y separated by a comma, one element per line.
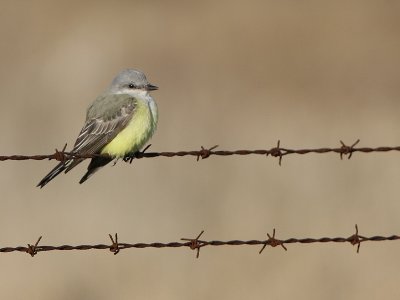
<point>203,153</point>
<point>196,243</point>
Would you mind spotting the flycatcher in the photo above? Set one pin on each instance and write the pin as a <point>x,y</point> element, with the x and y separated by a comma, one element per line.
<point>118,123</point>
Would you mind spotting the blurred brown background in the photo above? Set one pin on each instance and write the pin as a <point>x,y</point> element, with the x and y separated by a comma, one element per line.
<point>237,74</point>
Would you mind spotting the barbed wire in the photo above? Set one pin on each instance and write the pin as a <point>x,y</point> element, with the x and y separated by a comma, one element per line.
<point>196,243</point>
<point>203,153</point>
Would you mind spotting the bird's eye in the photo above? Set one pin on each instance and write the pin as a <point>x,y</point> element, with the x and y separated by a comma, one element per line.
<point>131,85</point>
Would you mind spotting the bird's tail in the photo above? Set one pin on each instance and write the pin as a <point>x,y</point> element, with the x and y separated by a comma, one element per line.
<point>95,164</point>
<point>53,173</point>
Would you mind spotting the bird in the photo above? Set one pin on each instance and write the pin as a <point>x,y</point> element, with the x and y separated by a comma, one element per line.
<point>118,124</point>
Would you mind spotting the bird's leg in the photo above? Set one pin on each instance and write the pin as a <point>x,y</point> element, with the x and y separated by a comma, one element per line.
<point>138,154</point>
<point>129,157</point>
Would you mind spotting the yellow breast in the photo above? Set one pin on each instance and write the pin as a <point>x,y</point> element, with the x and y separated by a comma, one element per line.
<point>133,137</point>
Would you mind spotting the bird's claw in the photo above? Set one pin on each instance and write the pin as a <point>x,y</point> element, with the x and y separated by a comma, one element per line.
<point>129,157</point>
<point>138,154</point>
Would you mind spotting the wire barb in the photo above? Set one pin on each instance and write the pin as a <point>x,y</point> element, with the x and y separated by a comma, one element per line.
<point>356,239</point>
<point>32,249</point>
<point>273,242</point>
<point>277,152</point>
<point>348,150</point>
<point>205,153</point>
<point>195,244</point>
<point>60,155</point>
<point>115,246</point>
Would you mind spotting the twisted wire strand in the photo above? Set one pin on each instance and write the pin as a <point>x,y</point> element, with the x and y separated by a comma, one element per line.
<point>197,243</point>
<point>203,153</point>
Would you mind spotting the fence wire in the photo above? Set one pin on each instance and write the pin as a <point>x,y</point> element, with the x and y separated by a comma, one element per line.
<point>277,151</point>
<point>196,243</point>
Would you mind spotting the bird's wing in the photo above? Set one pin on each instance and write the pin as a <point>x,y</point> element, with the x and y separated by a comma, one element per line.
<point>98,132</point>
<point>106,117</point>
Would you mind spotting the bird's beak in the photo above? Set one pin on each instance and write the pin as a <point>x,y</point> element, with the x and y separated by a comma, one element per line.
<point>151,87</point>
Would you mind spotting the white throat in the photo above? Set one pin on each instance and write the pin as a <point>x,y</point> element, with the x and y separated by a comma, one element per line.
<point>134,93</point>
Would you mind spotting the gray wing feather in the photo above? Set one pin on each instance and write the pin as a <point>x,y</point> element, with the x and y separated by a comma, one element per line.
<point>98,132</point>
<point>106,117</point>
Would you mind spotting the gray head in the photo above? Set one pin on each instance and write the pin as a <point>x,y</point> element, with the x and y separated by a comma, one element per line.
<point>129,81</point>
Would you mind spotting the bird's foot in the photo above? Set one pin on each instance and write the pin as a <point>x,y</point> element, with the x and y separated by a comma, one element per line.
<point>138,154</point>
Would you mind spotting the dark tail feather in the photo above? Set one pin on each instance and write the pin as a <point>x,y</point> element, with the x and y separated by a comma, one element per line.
<point>53,173</point>
<point>74,163</point>
<point>95,164</point>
